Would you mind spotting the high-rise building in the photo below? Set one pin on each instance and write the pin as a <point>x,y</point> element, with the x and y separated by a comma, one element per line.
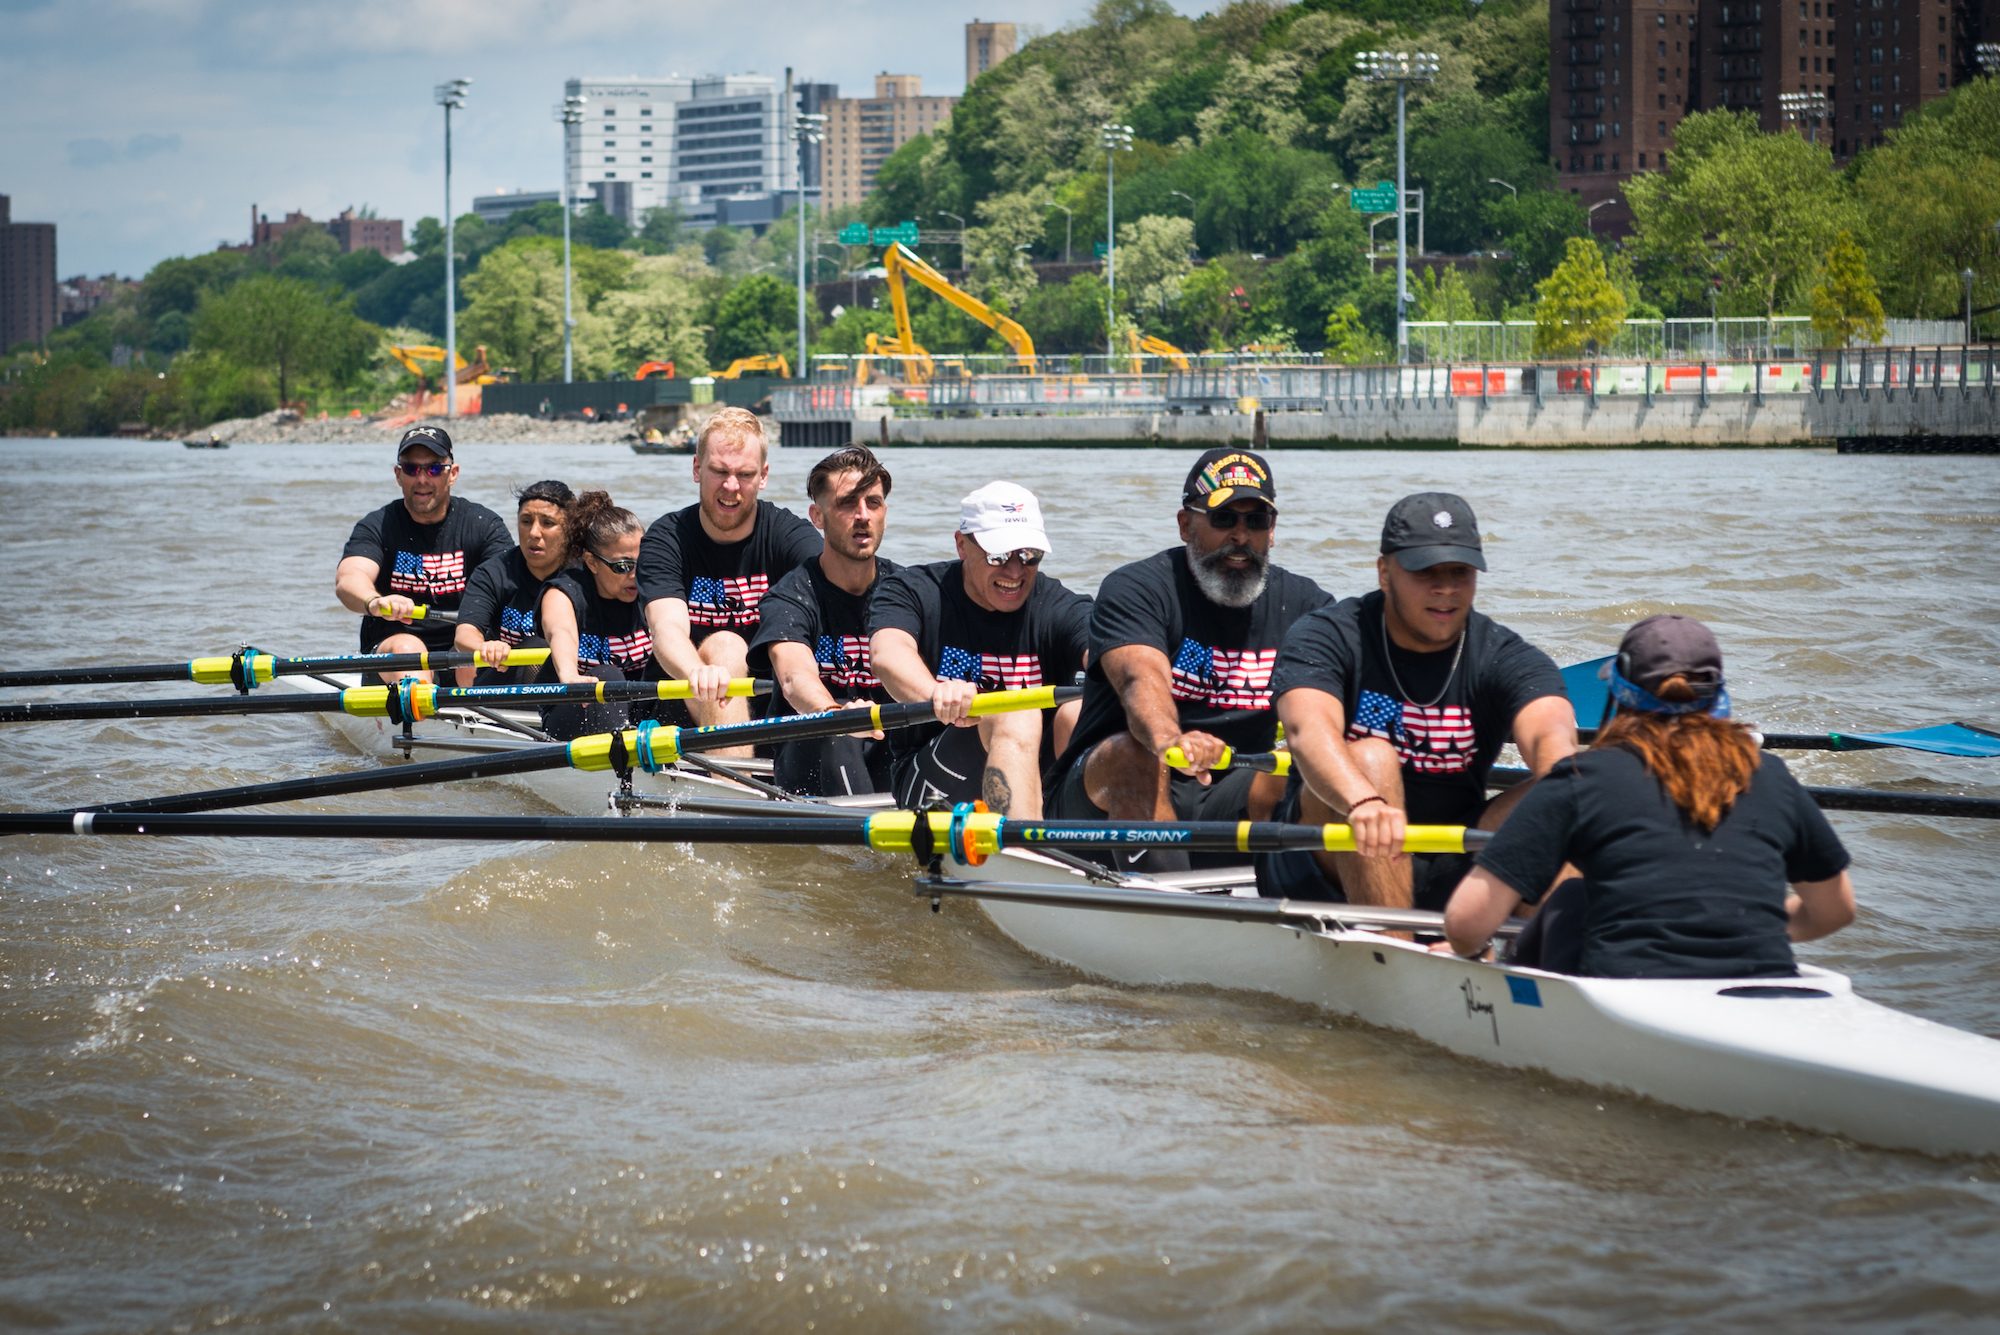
<point>986,45</point>
<point>27,279</point>
<point>861,132</point>
<point>717,147</point>
<point>1897,55</point>
<point>1619,78</point>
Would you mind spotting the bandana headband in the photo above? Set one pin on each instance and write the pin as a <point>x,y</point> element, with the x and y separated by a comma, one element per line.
<point>1630,695</point>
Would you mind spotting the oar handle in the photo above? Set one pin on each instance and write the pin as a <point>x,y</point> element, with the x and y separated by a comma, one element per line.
<point>1264,762</point>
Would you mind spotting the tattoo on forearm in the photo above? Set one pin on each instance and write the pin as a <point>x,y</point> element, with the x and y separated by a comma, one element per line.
<point>997,793</point>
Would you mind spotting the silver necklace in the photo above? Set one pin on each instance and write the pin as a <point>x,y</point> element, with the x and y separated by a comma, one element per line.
<point>1389,661</point>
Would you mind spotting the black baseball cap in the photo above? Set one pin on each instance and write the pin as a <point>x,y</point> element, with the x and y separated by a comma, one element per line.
<point>433,438</point>
<point>1224,476</point>
<point>1430,529</point>
<point>1668,645</point>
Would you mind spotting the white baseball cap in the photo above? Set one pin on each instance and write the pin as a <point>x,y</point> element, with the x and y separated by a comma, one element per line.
<point>1003,516</point>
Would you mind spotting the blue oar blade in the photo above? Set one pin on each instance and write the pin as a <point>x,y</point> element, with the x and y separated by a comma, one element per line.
<point>1589,694</point>
<point>1946,739</point>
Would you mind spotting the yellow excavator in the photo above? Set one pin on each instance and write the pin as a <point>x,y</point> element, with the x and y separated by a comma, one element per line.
<point>899,262</point>
<point>474,372</point>
<point>763,361</point>
<point>1149,346</point>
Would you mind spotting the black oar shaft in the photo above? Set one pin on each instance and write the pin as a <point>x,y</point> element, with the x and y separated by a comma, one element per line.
<point>54,711</point>
<point>360,781</point>
<point>559,829</point>
<point>95,676</point>
<point>1905,804</point>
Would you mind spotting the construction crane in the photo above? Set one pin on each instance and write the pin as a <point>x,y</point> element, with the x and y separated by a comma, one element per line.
<point>1150,346</point>
<point>413,356</point>
<point>654,368</point>
<point>763,361</point>
<point>899,261</point>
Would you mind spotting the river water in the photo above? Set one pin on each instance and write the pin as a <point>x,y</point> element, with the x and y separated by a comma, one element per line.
<point>369,1086</point>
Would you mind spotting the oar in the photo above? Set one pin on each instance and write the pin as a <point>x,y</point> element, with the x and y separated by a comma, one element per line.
<point>968,835</point>
<point>1848,799</point>
<point>1591,697</point>
<point>251,668</point>
<point>649,747</point>
<point>1264,762</point>
<point>414,701</point>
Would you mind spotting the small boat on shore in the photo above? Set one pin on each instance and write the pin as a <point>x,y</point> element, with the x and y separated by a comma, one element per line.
<point>678,441</point>
<point>212,443</point>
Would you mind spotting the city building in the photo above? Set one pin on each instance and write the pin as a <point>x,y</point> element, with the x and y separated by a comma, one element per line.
<point>79,296</point>
<point>986,45</point>
<point>27,279</point>
<point>861,132</point>
<point>504,204</point>
<point>691,142</point>
<point>350,231</point>
<point>1621,74</point>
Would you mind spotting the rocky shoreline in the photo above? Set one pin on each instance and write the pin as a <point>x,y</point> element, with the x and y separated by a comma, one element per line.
<point>288,428</point>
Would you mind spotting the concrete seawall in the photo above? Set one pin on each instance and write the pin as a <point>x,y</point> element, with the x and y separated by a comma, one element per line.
<point>1913,420</point>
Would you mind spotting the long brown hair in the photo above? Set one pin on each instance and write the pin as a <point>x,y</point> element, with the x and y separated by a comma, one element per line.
<point>1702,761</point>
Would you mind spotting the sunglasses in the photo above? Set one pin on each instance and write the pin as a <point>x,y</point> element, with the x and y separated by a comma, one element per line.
<point>623,567</point>
<point>1257,521</point>
<point>419,470</point>
<point>1027,556</point>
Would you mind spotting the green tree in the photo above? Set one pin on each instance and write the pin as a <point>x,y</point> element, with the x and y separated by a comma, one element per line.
<point>1579,306</point>
<point>1067,317</point>
<point>297,331</point>
<point>1350,341</point>
<point>1153,265</point>
<point>847,335</point>
<point>651,318</point>
<point>514,300</point>
<point>1844,301</point>
<point>1442,294</point>
<point>664,230</point>
<point>758,315</point>
<point>1930,196</point>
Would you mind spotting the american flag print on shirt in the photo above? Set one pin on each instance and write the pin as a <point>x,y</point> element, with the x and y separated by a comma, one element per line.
<point>990,672</point>
<point>728,603</point>
<point>516,624</point>
<point>434,573</point>
<point>1431,739</point>
<point>627,651</point>
<point>1223,678</point>
<point>843,662</point>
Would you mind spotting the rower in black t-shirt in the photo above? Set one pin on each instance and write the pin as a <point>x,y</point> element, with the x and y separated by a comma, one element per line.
<point>1395,705</point>
<point>704,570</point>
<point>814,628</point>
<point>1686,835</point>
<point>498,613</point>
<point>1182,645</point>
<point>988,621</point>
<point>591,615</point>
<point>416,550</point>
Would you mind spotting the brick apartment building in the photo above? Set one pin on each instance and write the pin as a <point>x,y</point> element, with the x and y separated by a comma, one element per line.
<point>352,233</point>
<point>861,132</point>
<point>27,279</point>
<point>1622,73</point>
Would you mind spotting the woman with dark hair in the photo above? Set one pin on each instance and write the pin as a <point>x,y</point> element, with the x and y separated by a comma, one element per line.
<point>498,612</point>
<point>591,614</point>
<point>1700,855</point>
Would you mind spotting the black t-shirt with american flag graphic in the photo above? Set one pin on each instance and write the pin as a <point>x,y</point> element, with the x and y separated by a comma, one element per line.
<point>608,630</point>
<point>1448,746</point>
<point>805,607</point>
<point>723,583</point>
<point>427,563</point>
<point>1220,658</point>
<point>1043,644</point>
<point>503,601</point>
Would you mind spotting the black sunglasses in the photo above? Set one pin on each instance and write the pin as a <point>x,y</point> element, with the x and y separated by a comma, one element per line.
<point>418,470</point>
<point>621,567</point>
<point>1257,521</point>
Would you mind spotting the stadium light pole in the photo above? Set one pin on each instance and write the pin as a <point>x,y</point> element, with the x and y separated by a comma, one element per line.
<point>808,128</point>
<point>1116,139</point>
<point>570,113</point>
<point>1808,107</point>
<point>450,96</point>
<point>1401,68</point>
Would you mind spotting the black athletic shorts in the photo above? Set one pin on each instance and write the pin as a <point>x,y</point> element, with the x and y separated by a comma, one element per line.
<point>1226,797</point>
<point>947,769</point>
<point>1296,875</point>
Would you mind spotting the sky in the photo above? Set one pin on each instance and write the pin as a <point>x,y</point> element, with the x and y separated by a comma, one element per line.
<point>148,128</point>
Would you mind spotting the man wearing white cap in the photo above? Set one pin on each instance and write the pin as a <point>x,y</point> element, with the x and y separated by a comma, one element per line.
<point>987,621</point>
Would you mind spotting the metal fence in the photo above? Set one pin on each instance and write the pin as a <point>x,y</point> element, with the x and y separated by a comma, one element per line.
<point>1717,339</point>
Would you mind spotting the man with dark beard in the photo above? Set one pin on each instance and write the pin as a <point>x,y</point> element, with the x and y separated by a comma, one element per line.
<point>1181,650</point>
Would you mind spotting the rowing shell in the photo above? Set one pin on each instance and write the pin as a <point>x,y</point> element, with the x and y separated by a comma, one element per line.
<point>1805,1051</point>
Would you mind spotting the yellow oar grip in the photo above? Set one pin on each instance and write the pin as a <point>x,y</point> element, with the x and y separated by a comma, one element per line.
<point>1416,839</point>
<point>739,688</point>
<point>662,747</point>
<point>1002,702</point>
<point>373,701</point>
<point>216,671</point>
<point>890,831</point>
<point>1275,762</point>
<point>526,658</point>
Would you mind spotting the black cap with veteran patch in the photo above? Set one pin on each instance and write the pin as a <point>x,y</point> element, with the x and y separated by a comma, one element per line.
<point>1430,529</point>
<point>1224,476</point>
<point>433,438</point>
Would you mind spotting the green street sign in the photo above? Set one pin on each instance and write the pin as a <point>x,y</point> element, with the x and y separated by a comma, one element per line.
<point>904,232</point>
<point>854,234</point>
<point>1097,248</point>
<point>1379,198</point>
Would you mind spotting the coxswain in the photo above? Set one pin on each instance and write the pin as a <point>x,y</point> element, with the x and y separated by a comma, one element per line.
<point>814,627</point>
<point>1699,855</point>
<point>1395,706</point>
<point>987,621</point>
<point>591,616</point>
<point>704,569</point>
<point>1182,645</point>
<point>418,550</point>
<point>498,613</point>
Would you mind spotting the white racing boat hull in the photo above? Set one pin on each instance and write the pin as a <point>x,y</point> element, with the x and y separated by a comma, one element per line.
<point>1804,1051</point>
